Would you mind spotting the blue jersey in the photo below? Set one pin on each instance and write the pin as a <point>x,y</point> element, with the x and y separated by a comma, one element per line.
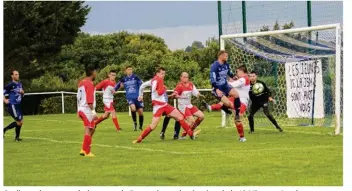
<point>131,85</point>
<point>12,90</point>
<point>219,73</point>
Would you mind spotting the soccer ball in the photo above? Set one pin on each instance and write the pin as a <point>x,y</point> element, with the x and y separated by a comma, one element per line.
<point>257,88</point>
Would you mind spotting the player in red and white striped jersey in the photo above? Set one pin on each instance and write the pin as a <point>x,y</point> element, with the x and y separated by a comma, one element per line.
<point>160,107</point>
<point>242,86</point>
<point>184,92</point>
<point>108,87</point>
<point>86,109</point>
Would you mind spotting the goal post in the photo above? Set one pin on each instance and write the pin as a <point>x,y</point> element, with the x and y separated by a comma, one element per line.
<point>302,67</point>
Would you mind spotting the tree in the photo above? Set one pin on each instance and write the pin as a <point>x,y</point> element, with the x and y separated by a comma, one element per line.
<point>34,31</point>
<point>276,26</point>
<point>289,25</point>
<point>195,45</point>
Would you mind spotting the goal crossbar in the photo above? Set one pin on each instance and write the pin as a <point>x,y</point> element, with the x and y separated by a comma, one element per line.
<point>336,26</point>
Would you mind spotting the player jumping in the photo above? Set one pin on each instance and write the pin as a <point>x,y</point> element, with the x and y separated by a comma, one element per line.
<point>108,87</point>
<point>160,106</point>
<point>86,109</point>
<point>14,92</point>
<point>242,86</point>
<point>183,92</point>
<point>131,84</point>
<point>219,71</point>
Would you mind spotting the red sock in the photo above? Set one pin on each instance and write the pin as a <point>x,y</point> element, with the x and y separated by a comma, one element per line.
<point>240,129</point>
<point>144,134</point>
<point>87,141</point>
<point>216,107</point>
<point>184,133</point>
<point>100,119</point>
<point>196,123</point>
<point>117,126</point>
<point>186,127</point>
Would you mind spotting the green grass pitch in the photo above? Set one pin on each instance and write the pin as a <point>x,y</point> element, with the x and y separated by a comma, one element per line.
<point>49,155</point>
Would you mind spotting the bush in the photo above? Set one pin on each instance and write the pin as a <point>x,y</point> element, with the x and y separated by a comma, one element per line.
<point>53,105</point>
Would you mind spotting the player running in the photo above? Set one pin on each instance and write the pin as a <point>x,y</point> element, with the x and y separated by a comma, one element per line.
<point>86,109</point>
<point>260,101</point>
<point>219,71</point>
<point>131,83</point>
<point>108,87</point>
<point>183,92</point>
<point>160,106</point>
<point>166,118</point>
<point>13,93</point>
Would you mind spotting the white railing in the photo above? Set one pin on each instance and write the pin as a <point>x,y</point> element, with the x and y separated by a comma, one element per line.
<point>63,93</point>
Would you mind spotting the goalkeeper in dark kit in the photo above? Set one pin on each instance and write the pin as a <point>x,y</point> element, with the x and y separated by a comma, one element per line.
<point>260,96</point>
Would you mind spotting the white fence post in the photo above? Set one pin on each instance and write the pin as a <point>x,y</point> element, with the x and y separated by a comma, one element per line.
<point>62,102</point>
<point>175,103</point>
<point>223,119</point>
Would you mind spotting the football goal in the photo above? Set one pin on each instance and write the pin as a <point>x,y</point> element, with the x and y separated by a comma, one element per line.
<point>301,66</point>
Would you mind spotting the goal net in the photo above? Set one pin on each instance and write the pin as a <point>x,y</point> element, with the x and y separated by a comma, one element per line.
<point>303,69</point>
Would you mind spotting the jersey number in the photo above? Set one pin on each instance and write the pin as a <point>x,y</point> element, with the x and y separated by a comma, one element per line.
<point>80,95</point>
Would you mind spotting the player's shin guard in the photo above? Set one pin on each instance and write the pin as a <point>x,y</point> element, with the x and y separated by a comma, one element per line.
<point>144,134</point>
<point>240,131</point>
<point>87,141</point>
<point>186,127</point>
<point>116,123</point>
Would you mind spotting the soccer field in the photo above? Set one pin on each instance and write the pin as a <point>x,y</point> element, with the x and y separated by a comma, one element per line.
<point>49,155</point>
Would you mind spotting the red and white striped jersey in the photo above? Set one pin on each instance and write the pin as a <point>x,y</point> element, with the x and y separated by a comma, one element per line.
<point>158,89</point>
<point>242,86</point>
<point>185,90</point>
<point>85,94</point>
<point>108,88</point>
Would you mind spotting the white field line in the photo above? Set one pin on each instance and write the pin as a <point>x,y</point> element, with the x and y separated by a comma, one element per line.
<point>185,153</point>
<point>263,129</point>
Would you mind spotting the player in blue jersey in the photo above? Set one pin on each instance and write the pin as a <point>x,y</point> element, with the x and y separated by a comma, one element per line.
<point>13,93</point>
<point>131,84</point>
<point>219,71</point>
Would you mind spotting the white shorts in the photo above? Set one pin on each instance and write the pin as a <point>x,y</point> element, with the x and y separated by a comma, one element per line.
<point>87,117</point>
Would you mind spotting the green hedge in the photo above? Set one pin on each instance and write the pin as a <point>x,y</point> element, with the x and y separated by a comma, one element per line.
<point>53,104</point>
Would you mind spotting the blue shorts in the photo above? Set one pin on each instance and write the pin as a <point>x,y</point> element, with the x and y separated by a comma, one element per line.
<point>225,91</point>
<point>15,111</point>
<point>137,103</point>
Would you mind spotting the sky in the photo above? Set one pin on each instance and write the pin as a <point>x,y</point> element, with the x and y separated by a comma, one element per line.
<point>181,23</point>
